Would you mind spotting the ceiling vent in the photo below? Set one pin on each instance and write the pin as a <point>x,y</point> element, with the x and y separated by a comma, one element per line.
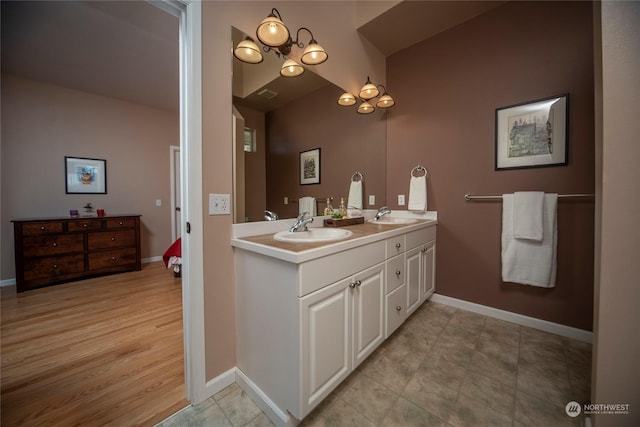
<point>268,94</point>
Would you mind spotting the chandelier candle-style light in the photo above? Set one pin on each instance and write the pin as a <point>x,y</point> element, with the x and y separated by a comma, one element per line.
<point>367,94</point>
<point>275,37</point>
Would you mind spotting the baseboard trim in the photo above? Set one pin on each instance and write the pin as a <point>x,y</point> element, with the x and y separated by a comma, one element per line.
<point>275,414</point>
<point>7,282</point>
<point>532,322</point>
<point>152,259</point>
<point>220,382</point>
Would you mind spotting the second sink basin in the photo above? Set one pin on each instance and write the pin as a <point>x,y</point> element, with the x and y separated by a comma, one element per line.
<point>391,220</point>
<point>313,235</point>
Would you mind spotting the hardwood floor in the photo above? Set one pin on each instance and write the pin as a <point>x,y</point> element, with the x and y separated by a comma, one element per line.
<point>103,351</point>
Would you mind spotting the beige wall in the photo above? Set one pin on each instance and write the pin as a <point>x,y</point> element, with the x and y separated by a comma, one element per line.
<point>447,89</point>
<point>42,123</point>
<point>617,348</point>
<point>351,59</point>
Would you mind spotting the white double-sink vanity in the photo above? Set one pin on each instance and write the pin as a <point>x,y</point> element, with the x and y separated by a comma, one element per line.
<point>307,314</point>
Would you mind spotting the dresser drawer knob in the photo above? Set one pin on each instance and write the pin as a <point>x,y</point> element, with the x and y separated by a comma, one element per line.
<point>54,244</point>
<point>42,228</point>
<point>398,245</point>
<point>55,266</point>
<point>113,258</point>
<point>113,239</point>
<point>85,225</point>
<point>121,223</point>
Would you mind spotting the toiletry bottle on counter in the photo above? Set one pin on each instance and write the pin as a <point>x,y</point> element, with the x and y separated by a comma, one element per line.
<point>342,209</point>
<point>328,210</point>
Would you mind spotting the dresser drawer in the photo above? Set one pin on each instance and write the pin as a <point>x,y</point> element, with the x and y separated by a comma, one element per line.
<point>90,224</point>
<point>396,304</point>
<point>34,229</point>
<point>115,258</point>
<point>395,273</point>
<point>52,245</point>
<point>51,267</point>
<point>112,239</point>
<point>121,223</point>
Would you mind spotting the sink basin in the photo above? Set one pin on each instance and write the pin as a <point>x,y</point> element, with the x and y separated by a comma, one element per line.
<point>313,235</point>
<point>393,220</point>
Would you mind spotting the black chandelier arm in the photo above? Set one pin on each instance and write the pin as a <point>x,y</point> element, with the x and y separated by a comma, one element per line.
<point>276,13</point>
<point>384,89</point>
<point>297,41</point>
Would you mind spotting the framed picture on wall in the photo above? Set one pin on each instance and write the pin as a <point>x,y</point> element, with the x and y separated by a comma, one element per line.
<point>533,134</point>
<point>85,176</point>
<point>310,167</point>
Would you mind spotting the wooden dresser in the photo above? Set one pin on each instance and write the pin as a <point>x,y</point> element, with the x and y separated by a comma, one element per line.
<point>50,251</point>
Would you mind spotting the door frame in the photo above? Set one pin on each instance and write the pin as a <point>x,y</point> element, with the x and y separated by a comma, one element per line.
<point>189,13</point>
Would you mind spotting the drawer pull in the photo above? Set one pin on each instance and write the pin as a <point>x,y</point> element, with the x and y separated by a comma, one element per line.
<point>85,225</point>
<point>121,223</point>
<point>55,266</point>
<point>113,258</point>
<point>42,228</point>
<point>113,239</point>
<point>358,283</point>
<point>398,245</point>
<point>352,285</point>
<point>398,272</point>
<point>54,244</point>
<point>398,308</point>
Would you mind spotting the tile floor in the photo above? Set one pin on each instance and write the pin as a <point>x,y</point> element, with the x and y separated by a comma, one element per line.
<point>443,367</point>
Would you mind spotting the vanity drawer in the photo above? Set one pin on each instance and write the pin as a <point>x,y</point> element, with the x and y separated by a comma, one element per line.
<point>90,224</point>
<point>106,259</point>
<point>395,246</point>
<point>52,267</point>
<point>37,228</point>
<point>395,273</point>
<point>396,304</point>
<point>51,245</point>
<point>112,239</point>
<point>121,223</point>
<point>419,237</point>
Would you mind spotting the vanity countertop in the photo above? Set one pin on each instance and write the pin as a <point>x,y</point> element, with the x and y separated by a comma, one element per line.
<point>295,252</point>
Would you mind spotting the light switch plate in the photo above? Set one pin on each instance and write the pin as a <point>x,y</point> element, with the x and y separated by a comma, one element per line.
<point>219,204</point>
<point>372,200</point>
<point>400,199</point>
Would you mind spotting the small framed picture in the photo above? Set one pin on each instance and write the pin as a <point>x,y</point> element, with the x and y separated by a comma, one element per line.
<point>533,134</point>
<point>310,167</point>
<point>85,176</point>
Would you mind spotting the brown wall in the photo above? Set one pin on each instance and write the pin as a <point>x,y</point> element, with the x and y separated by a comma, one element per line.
<point>43,123</point>
<point>349,142</point>
<point>447,89</point>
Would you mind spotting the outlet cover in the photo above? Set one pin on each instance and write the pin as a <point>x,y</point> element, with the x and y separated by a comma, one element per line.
<point>400,199</point>
<point>372,200</point>
<point>219,204</point>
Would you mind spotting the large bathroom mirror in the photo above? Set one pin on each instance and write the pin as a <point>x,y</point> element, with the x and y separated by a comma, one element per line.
<point>276,119</point>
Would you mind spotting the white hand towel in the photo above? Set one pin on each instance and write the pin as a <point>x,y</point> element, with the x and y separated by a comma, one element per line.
<point>307,204</point>
<point>527,261</point>
<point>355,195</point>
<point>527,215</point>
<point>418,193</point>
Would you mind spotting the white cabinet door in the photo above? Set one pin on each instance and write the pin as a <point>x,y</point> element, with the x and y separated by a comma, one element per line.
<point>325,342</point>
<point>368,312</point>
<point>428,280</point>
<point>413,278</point>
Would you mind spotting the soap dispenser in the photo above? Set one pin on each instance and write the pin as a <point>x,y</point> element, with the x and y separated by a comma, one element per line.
<point>343,208</point>
<point>328,210</point>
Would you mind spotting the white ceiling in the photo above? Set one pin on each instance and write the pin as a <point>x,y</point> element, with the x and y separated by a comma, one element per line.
<point>129,49</point>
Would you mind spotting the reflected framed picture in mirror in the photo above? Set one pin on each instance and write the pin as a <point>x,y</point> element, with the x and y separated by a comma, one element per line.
<point>310,167</point>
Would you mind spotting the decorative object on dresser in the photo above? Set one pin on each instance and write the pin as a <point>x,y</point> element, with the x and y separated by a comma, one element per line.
<point>51,251</point>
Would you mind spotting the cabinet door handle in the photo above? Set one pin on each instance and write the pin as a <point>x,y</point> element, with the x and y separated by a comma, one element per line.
<point>398,245</point>
<point>358,283</point>
<point>398,272</point>
<point>352,285</point>
<point>398,308</point>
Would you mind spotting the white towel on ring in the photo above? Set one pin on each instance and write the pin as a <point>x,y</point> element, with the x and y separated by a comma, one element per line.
<point>307,204</point>
<point>418,193</point>
<point>355,195</point>
<point>527,261</point>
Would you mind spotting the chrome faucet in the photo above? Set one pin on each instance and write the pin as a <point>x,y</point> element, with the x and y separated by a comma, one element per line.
<point>270,216</point>
<point>301,222</point>
<point>382,212</point>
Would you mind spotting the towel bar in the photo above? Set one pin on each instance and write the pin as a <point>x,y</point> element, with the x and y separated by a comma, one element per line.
<point>470,198</point>
<point>420,168</point>
<point>357,174</point>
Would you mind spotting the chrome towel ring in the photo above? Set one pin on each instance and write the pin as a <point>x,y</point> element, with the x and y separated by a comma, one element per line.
<point>417,170</point>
